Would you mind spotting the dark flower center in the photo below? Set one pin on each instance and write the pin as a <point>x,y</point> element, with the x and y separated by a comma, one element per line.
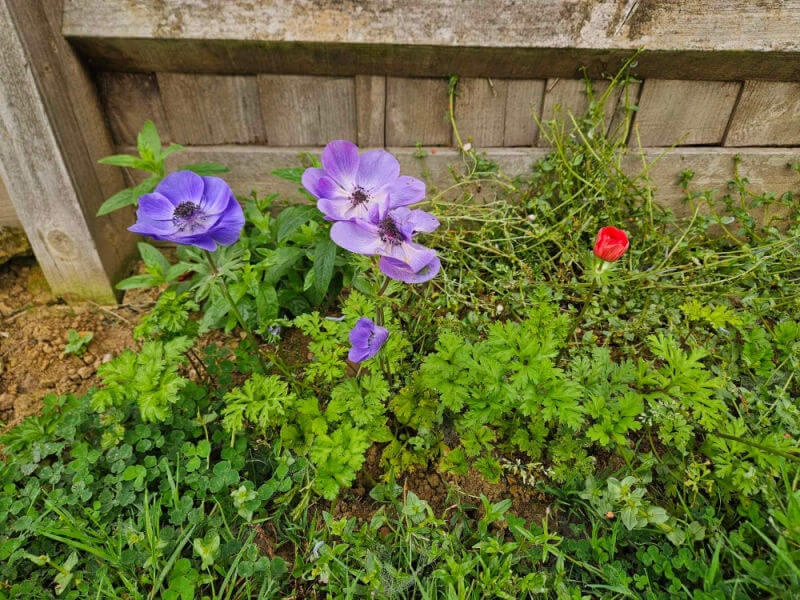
<point>359,196</point>
<point>185,210</point>
<point>389,232</point>
<point>187,215</point>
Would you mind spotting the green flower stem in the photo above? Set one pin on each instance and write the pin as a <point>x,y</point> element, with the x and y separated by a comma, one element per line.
<point>271,355</point>
<point>379,319</point>
<point>770,449</point>
<point>587,299</point>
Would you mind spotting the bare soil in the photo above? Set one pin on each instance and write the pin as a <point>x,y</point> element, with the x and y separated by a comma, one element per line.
<point>33,333</point>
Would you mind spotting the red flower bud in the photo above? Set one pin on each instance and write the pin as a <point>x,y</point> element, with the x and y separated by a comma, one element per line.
<point>611,244</point>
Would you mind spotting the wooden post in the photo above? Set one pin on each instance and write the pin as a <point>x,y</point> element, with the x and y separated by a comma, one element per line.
<point>53,133</point>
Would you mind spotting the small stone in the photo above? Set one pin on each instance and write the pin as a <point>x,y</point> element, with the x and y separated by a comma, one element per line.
<point>85,372</point>
<point>107,357</point>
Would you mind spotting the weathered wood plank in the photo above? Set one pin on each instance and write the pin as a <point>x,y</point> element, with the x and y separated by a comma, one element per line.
<point>570,96</point>
<point>8,216</point>
<point>480,110</point>
<point>766,168</point>
<point>524,99</point>
<point>684,112</point>
<point>299,110</point>
<point>371,110</point>
<point>474,38</point>
<point>415,112</point>
<point>212,109</point>
<point>130,99</point>
<point>53,136</point>
<point>767,114</point>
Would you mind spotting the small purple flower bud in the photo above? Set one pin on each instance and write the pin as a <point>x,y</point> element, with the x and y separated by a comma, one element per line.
<point>366,339</point>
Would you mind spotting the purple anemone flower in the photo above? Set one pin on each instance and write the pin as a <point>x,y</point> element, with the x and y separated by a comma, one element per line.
<point>348,184</point>
<point>388,232</point>
<point>190,210</point>
<point>366,338</point>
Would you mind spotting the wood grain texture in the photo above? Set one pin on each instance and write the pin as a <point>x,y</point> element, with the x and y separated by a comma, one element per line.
<point>766,168</point>
<point>563,97</point>
<point>130,99</point>
<point>8,216</point>
<point>767,114</point>
<point>415,112</point>
<point>713,39</point>
<point>370,110</point>
<point>212,109</point>
<point>525,97</point>
<point>684,112</point>
<point>300,110</point>
<point>480,110</point>
<point>54,135</point>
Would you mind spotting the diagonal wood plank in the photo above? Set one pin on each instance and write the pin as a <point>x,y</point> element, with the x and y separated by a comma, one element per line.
<point>54,134</point>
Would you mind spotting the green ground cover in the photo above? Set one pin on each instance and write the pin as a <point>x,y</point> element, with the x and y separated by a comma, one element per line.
<point>631,434</point>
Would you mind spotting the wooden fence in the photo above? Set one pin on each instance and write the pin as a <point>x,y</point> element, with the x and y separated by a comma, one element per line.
<point>253,84</point>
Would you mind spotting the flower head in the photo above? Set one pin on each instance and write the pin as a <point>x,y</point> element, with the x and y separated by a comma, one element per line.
<point>366,338</point>
<point>348,184</point>
<point>190,210</point>
<point>388,232</point>
<point>611,244</point>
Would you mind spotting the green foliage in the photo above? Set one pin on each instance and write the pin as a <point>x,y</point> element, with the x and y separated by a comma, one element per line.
<point>143,515</point>
<point>77,343</point>
<point>148,379</point>
<point>682,395</point>
<point>262,401</point>
<point>654,452</point>
<point>169,318</point>
<point>283,265</point>
<point>150,160</point>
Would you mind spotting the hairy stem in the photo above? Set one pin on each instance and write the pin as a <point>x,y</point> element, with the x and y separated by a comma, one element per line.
<point>770,449</point>
<point>271,355</point>
<point>579,318</point>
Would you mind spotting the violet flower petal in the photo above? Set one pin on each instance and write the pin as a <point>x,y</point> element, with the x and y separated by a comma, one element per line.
<point>340,160</point>
<point>416,256</point>
<point>396,269</point>
<point>366,339</point>
<point>359,237</point>
<point>376,169</point>
<point>181,186</point>
<point>319,185</point>
<point>342,210</point>
<point>406,190</point>
<point>217,196</point>
<point>154,216</point>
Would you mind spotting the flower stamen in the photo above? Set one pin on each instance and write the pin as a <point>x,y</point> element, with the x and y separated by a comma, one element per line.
<point>358,197</point>
<point>389,232</point>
